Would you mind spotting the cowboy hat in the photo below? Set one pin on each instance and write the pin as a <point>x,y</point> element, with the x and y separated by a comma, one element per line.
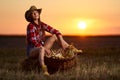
<point>28,13</point>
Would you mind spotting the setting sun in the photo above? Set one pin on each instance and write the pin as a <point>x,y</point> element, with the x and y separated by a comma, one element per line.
<point>82,25</point>
<point>83,18</point>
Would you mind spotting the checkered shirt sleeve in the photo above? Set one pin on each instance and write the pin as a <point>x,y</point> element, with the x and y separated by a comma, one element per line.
<point>50,29</point>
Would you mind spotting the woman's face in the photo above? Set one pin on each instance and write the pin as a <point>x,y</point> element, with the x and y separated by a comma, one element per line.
<point>35,15</point>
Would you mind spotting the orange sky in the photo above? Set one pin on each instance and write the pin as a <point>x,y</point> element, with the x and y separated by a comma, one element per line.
<point>102,17</point>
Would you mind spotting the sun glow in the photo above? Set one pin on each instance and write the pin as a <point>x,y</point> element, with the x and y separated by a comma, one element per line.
<point>82,25</point>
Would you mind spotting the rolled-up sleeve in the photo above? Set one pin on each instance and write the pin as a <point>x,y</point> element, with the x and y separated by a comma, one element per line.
<point>50,29</point>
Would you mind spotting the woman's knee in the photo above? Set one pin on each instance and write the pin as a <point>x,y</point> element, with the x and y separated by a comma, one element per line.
<point>54,37</point>
<point>41,48</point>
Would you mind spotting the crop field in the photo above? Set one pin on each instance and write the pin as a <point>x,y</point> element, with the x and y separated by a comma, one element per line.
<point>100,59</point>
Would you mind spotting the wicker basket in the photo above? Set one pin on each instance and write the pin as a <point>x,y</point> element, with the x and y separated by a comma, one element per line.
<point>52,64</point>
<point>60,64</point>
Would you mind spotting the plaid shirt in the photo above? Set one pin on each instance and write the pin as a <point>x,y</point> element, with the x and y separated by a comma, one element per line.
<point>36,34</point>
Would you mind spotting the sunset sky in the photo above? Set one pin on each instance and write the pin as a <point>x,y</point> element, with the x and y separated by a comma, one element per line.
<point>100,17</point>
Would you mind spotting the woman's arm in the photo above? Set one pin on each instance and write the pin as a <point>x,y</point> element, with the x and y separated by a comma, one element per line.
<point>64,44</point>
<point>50,29</point>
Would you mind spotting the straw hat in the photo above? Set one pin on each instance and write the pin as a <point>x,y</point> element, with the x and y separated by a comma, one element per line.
<point>28,13</point>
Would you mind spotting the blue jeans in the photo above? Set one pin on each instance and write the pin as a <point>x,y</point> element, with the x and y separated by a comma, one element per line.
<point>29,49</point>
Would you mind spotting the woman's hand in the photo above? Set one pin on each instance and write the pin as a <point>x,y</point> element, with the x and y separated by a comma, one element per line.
<point>48,52</point>
<point>64,44</point>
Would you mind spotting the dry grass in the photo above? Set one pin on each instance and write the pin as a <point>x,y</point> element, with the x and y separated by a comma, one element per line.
<point>94,64</point>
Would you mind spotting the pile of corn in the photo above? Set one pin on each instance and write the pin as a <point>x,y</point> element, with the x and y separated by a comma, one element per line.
<point>63,54</point>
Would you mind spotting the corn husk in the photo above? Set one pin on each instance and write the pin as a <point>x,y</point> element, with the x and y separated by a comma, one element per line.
<point>69,52</point>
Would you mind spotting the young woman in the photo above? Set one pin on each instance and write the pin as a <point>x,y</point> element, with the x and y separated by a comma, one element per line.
<point>37,47</point>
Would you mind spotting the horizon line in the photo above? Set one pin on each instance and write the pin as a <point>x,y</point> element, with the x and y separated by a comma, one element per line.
<point>62,35</point>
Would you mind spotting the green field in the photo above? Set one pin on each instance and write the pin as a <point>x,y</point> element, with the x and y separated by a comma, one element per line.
<point>93,64</point>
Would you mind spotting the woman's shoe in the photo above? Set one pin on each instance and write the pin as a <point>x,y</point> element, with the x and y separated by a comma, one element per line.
<point>73,49</point>
<point>45,70</point>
